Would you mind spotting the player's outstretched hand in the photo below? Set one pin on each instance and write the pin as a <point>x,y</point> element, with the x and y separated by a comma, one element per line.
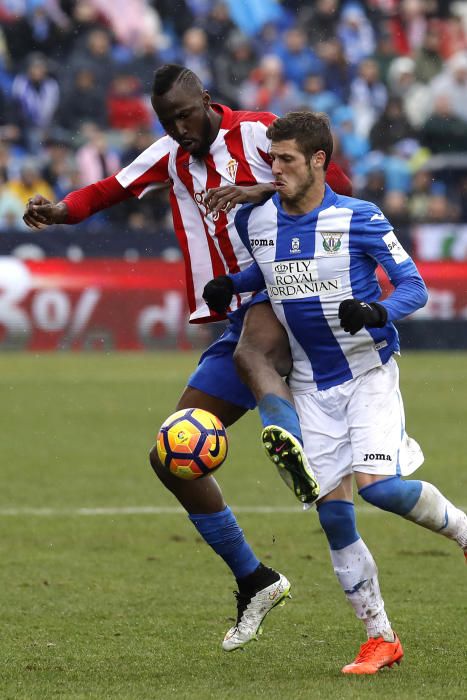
<point>218,293</point>
<point>225,198</point>
<point>41,212</point>
<point>354,314</point>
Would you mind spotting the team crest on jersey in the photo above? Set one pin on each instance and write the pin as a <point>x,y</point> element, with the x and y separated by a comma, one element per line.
<point>232,167</point>
<point>331,241</point>
<point>295,245</point>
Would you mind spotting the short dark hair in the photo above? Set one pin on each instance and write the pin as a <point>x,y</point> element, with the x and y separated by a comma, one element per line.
<point>311,131</point>
<point>169,74</point>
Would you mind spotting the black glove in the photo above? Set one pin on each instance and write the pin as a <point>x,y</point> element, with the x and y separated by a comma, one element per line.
<point>218,293</point>
<point>354,314</point>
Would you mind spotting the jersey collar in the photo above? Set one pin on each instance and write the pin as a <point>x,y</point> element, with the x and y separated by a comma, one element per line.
<point>330,198</point>
<point>226,114</point>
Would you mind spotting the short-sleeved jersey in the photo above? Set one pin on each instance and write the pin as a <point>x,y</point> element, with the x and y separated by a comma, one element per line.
<point>311,263</point>
<point>210,243</point>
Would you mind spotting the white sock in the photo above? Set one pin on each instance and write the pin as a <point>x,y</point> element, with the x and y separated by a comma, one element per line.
<point>436,513</point>
<point>379,626</point>
<point>357,573</point>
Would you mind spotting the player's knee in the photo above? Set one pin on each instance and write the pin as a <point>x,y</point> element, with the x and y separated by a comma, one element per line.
<point>337,518</point>
<point>266,335</point>
<point>250,359</point>
<point>280,358</point>
<point>263,341</point>
<point>249,355</point>
<point>161,472</point>
<point>247,359</point>
<point>278,352</point>
<point>392,494</point>
<point>156,464</point>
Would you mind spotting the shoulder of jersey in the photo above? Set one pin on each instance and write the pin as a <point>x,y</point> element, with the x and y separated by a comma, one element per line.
<point>166,142</point>
<point>367,211</point>
<point>247,209</point>
<point>371,212</point>
<point>242,116</point>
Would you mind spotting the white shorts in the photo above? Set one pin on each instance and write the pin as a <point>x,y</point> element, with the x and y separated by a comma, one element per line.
<point>357,426</point>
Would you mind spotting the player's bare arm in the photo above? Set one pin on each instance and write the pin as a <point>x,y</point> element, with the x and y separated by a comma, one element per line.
<point>41,212</point>
<point>227,197</point>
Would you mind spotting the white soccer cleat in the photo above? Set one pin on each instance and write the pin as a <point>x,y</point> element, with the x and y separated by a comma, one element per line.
<point>252,609</point>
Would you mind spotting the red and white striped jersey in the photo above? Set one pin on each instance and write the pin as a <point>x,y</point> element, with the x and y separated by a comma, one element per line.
<point>210,243</point>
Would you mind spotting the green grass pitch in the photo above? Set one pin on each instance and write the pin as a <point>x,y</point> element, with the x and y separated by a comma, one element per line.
<point>124,604</point>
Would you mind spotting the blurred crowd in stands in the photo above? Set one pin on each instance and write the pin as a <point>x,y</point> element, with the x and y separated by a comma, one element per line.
<point>76,75</point>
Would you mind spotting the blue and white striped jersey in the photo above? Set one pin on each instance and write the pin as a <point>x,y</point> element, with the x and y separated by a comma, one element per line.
<point>309,264</point>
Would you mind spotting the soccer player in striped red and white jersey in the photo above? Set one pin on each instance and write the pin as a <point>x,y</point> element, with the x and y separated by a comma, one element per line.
<point>212,158</point>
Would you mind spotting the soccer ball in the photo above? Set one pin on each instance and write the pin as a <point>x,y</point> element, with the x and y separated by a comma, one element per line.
<point>192,443</point>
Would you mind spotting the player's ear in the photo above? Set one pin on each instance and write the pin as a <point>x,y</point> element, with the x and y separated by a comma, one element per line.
<point>206,99</point>
<point>319,158</point>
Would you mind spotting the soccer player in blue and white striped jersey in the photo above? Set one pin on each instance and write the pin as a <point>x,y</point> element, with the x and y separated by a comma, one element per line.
<point>316,253</point>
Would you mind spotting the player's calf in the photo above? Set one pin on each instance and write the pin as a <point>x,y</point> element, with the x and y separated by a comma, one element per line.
<point>420,502</point>
<point>260,588</point>
<point>354,566</point>
<point>160,471</point>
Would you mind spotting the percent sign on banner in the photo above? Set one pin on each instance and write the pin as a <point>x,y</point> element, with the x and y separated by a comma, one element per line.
<point>105,304</point>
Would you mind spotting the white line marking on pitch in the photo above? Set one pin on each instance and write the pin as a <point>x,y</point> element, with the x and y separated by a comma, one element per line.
<point>158,510</point>
<point>134,510</point>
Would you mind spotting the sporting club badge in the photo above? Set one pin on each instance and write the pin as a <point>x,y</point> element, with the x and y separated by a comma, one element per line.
<point>232,167</point>
<point>331,241</point>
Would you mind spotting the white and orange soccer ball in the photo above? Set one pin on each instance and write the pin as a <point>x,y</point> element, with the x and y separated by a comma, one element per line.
<point>192,443</point>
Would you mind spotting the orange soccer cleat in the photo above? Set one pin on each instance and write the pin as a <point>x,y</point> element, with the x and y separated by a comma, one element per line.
<point>374,655</point>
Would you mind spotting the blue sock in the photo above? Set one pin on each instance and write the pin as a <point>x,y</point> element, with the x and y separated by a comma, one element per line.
<point>222,532</point>
<point>337,519</point>
<point>275,410</point>
<point>393,494</point>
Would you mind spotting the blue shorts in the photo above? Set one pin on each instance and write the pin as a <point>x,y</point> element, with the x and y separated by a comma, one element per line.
<point>216,374</point>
